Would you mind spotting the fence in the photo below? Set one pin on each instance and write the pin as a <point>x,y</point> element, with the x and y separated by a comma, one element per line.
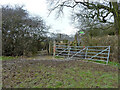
<point>96,53</point>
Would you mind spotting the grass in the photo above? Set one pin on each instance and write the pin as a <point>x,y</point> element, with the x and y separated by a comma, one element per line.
<point>84,79</point>
<point>8,57</point>
<point>114,63</point>
<point>45,74</point>
<point>109,63</point>
<point>58,57</point>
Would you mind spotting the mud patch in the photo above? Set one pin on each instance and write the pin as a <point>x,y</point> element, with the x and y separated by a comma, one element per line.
<point>56,73</point>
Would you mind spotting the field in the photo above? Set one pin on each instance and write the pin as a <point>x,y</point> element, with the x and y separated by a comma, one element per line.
<point>36,73</point>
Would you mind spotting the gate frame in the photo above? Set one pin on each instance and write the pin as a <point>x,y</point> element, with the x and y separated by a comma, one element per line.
<point>68,48</point>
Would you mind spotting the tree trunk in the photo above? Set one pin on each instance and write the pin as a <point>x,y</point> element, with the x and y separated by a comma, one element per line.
<point>116,7</point>
<point>116,13</point>
<point>117,24</point>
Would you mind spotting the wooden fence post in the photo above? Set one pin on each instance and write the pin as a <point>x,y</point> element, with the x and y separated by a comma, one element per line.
<point>50,47</point>
<point>54,46</point>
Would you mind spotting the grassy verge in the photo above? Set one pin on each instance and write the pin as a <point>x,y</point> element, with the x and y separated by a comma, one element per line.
<point>109,63</point>
<point>8,58</point>
<point>58,57</point>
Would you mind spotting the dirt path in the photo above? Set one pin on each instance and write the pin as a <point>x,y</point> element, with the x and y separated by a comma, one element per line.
<point>48,60</point>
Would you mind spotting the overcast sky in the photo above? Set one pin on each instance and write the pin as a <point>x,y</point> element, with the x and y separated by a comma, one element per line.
<point>39,8</point>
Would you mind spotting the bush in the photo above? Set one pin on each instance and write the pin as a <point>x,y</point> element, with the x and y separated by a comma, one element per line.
<point>21,34</point>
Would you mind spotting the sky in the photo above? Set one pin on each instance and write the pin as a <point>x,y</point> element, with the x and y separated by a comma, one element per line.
<point>40,8</point>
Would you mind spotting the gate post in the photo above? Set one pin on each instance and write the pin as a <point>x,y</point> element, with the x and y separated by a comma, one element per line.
<point>86,52</point>
<point>54,46</point>
<point>108,55</point>
<point>68,49</point>
<point>49,47</point>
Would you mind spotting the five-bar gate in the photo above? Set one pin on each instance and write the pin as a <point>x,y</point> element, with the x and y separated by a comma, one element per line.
<point>96,53</point>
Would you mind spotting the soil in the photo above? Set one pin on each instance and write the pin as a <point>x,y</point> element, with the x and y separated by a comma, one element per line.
<point>13,67</point>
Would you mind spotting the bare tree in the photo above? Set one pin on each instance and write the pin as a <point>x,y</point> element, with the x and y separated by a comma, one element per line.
<point>21,34</point>
<point>103,11</point>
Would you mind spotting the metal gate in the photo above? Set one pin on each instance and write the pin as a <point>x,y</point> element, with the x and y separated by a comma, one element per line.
<point>96,53</point>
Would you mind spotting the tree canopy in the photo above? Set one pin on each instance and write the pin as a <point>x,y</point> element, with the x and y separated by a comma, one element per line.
<point>95,11</point>
<point>21,33</point>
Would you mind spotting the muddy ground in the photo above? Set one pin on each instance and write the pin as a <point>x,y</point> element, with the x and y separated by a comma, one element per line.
<point>22,73</point>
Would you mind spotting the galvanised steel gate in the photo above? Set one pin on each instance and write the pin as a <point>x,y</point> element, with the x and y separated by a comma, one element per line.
<point>96,53</point>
